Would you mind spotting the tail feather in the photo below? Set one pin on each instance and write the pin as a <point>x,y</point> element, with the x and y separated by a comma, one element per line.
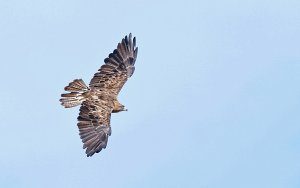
<point>76,85</point>
<point>78,93</point>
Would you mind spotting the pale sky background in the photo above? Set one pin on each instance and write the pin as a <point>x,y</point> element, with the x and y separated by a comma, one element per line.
<point>214,101</point>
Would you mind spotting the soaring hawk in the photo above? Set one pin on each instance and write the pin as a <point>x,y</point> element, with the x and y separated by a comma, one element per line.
<point>99,100</point>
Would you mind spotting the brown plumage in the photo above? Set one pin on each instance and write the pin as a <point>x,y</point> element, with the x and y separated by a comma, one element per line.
<point>99,100</point>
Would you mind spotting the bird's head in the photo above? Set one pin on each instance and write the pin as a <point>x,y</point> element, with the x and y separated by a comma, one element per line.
<point>118,107</point>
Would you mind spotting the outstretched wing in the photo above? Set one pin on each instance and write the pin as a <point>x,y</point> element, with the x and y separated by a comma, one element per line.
<point>118,67</point>
<point>94,125</point>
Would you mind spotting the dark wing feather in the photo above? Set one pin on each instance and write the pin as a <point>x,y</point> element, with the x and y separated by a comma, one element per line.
<point>94,125</point>
<point>118,67</point>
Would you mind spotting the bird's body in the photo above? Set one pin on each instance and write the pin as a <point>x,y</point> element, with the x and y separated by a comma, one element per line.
<point>99,100</point>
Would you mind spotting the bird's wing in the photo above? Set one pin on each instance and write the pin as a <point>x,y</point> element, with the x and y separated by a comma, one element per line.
<point>94,125</point>
<point>118,67</point>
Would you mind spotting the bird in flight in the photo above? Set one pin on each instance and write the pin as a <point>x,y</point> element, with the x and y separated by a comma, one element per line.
<point>99,100</point>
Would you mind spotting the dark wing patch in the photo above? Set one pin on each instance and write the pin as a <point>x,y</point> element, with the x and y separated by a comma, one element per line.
<point>118,67</point>
<point>94,125</point>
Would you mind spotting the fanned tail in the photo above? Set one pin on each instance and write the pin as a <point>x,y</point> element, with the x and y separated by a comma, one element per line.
<point>78,93</point>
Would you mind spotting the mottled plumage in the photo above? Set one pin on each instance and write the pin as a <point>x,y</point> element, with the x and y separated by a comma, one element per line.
<point>99,100</point>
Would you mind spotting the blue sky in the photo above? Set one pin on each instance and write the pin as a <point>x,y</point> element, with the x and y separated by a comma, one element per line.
<point>214,101</point>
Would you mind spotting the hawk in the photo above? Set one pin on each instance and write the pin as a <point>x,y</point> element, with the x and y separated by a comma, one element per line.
<point>99,100</point>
